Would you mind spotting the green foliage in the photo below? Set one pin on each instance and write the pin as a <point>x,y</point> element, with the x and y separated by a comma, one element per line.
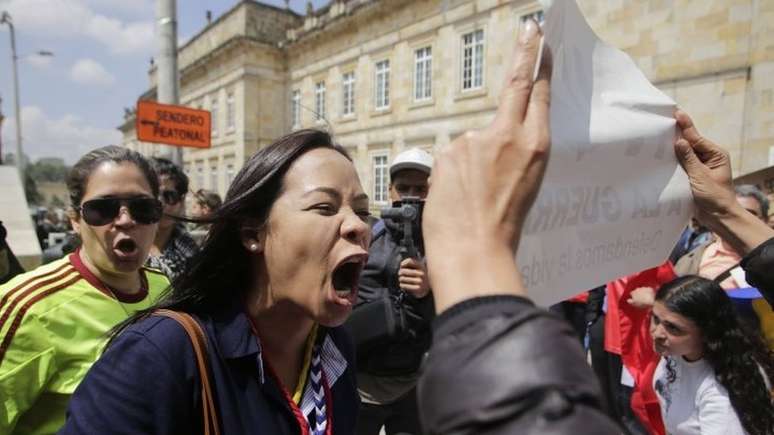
<point>48,170</point>
<point>56,201</point>
<point>31,190</point>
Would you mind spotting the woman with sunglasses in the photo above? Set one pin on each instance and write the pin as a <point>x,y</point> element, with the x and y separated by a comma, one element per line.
<point>276,277</point>
<point>54,320</point>
<point>173,246</point>
<point>714,377</point>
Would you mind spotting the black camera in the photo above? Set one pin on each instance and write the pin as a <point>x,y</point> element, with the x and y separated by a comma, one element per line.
<point>406,216</point>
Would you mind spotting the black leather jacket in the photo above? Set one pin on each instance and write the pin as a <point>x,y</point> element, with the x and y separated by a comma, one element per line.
<point>499,365</point>
<point>759,268</point>
<point>402,355</point>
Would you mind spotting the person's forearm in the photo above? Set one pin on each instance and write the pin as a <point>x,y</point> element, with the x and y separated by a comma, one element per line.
<point>483,269</point>
<point>498,365</point>
<point>739,228</point>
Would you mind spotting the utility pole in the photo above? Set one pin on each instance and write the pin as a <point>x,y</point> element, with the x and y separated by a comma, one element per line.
<point>1,130</point>
<point>167,89</point>
<point>5,18</point>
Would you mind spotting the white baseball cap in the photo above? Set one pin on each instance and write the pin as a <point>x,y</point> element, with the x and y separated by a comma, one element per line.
<point>413,158</point>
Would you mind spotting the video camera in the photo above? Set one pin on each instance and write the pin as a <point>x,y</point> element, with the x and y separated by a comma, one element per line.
<point>407,215</point>
<point>388,318</point>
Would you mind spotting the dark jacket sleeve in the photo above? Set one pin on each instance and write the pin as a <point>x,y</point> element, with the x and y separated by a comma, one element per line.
<point>143,383</point>
<point>759,268</point>
<point>381,273</point>
<point>374,278</point>
<point>499,365</point>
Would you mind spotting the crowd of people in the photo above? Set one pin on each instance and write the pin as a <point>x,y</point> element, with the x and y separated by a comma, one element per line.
<point>142,329</point>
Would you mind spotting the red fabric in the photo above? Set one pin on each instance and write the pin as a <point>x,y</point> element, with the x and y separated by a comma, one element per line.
<point>627,334</point>
<point>582,298</point>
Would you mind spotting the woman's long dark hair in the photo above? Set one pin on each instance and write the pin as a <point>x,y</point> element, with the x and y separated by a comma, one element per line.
<point>220,274</point>
<point>736,354</point>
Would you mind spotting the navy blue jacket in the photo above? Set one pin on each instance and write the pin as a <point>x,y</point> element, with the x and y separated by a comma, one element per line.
<point>147,382</point>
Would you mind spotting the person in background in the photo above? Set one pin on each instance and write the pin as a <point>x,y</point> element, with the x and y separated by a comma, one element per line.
<point>388,367</point>
<point>54,320</point>
<point>173,246</point>
<point>9,264</point>
<point>694,235</point>
<point>771,211</point>
<point>205,203</point>
<point>716,256</point>
<point>714,377</point>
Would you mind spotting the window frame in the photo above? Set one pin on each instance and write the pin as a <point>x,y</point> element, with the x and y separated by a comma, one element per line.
<point>295,108</point>
<point>382,83</point>
<point>230,173</point>
<point>230,112</point>
<point>383,177</point>
<point>214,177</point>
<point>427,80</point>
<point>348,83</point>
<point>477,53</point>
<point>319,101</point>
<point>214,109</point>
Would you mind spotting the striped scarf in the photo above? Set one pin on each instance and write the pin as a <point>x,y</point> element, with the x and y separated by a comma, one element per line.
<point>319,421</point>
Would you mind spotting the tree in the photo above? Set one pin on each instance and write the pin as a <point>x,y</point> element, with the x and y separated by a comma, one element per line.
<point>56,201</point>
<point>31,190</point>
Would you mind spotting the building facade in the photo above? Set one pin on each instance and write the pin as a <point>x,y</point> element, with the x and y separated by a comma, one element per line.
<point>384,75</point>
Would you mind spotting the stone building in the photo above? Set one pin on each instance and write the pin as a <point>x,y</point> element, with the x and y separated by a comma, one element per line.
<point>235,67</point>
<point>384,75</point>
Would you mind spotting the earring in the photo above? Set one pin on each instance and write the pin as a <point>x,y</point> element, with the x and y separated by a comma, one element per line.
<point>253,246</point>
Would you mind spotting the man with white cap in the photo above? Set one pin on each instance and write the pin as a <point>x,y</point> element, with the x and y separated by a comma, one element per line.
<point>388,365</point>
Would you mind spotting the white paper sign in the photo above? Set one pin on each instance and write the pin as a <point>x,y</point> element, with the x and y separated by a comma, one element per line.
<point>614,199</point>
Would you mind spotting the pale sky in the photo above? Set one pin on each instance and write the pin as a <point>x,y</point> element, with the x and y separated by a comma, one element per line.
<point>73,102</point>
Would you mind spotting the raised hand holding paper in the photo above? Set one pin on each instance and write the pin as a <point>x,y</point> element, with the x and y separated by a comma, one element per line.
<point>614,199</point>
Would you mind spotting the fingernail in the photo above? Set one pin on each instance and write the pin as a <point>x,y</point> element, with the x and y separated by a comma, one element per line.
<point>529,31</point>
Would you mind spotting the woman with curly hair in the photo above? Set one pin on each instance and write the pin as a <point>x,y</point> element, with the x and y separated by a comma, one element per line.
<point>714,376</point>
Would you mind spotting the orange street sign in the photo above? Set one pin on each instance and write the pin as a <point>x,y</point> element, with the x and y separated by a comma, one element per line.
<point>172,125</point>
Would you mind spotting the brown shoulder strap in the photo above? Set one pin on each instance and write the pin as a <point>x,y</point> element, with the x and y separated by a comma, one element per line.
<point>199,342</point>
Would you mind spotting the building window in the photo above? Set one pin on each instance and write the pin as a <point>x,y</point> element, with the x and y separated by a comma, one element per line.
<point>230,112</point>
<point>382,99</point>
<point>295,109</point>
<point>473,60</point>
<point>214,177</point>
<point>423,70</point>
<point>214,115</point>
<point>381,178</point>
<point>348,93</point>
<point>200,176</point>
<point>319,101</point>
<point>230,173</point>
<point>537,16</point>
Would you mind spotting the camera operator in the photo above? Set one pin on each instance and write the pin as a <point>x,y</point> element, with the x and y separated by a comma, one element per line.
<point>395,286</point>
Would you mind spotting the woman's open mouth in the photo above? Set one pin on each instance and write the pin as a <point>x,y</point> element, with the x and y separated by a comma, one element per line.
<point>346,276</point>
<point>125,247</point>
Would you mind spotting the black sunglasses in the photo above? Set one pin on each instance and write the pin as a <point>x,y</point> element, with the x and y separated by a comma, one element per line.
<point>102,211</point>
<point>170,197</point>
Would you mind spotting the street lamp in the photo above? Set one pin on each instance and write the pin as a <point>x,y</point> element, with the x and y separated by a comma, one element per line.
<point>5,18</point>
